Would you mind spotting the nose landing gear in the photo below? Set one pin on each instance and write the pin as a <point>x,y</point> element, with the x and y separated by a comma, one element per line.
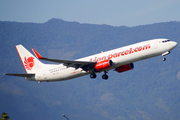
<point>164,59</point>
<point>164,54</point>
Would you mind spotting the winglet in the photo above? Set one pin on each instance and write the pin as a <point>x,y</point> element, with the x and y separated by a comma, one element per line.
<point>37,54</point>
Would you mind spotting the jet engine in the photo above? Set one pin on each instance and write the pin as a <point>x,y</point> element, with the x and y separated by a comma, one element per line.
<point>124,68</point>
<point>103,65</point>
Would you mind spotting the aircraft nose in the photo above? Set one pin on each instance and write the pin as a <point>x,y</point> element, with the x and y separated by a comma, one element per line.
<point>173,44</point>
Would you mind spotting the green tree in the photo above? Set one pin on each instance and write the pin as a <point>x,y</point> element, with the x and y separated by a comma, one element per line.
<point>5,116</point>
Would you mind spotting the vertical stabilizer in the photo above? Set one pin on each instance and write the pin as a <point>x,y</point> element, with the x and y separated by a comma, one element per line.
<point>30,62</point>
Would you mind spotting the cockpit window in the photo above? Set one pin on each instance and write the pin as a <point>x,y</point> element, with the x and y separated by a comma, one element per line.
<point>165,41</point>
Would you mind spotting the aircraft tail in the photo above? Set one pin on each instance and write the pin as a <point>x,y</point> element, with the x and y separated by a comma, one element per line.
<point>30,62</point>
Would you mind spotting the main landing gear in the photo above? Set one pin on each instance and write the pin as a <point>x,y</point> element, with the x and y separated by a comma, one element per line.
<point>105,76</point>
<point>93,75</point>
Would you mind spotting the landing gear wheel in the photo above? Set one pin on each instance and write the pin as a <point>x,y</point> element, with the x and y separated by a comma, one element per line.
<point>93,75</point>
<point>105,77</point>
<point>164,59</point>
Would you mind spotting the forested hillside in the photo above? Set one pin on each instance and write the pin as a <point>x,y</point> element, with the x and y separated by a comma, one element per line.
<point>151,91</point>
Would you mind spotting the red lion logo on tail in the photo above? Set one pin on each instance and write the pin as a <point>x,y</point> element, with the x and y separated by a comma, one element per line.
<point>29,63</point>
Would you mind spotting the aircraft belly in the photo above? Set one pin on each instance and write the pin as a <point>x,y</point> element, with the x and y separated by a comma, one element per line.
<point>72,73</point>
<point>46,75</point>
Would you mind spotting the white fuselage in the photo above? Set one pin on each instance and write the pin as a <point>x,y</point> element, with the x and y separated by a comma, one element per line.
<point>119,56</point>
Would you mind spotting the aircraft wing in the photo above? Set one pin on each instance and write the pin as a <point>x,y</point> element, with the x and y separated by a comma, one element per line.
<point>85,65</point>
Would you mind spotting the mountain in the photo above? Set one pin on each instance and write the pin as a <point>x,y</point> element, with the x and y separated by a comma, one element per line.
<point>150,91</point>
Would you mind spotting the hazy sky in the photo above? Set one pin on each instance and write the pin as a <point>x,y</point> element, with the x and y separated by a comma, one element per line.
<point>110,12</point>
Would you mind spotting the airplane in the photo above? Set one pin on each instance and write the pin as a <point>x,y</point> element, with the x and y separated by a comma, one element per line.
<point>120,59</point>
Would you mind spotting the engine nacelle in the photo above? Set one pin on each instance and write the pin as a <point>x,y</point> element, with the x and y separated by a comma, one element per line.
<point>103,65</point>
<point>125,68</point>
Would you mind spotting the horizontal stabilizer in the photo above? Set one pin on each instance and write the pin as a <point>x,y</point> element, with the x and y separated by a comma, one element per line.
<point>20,75</point>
